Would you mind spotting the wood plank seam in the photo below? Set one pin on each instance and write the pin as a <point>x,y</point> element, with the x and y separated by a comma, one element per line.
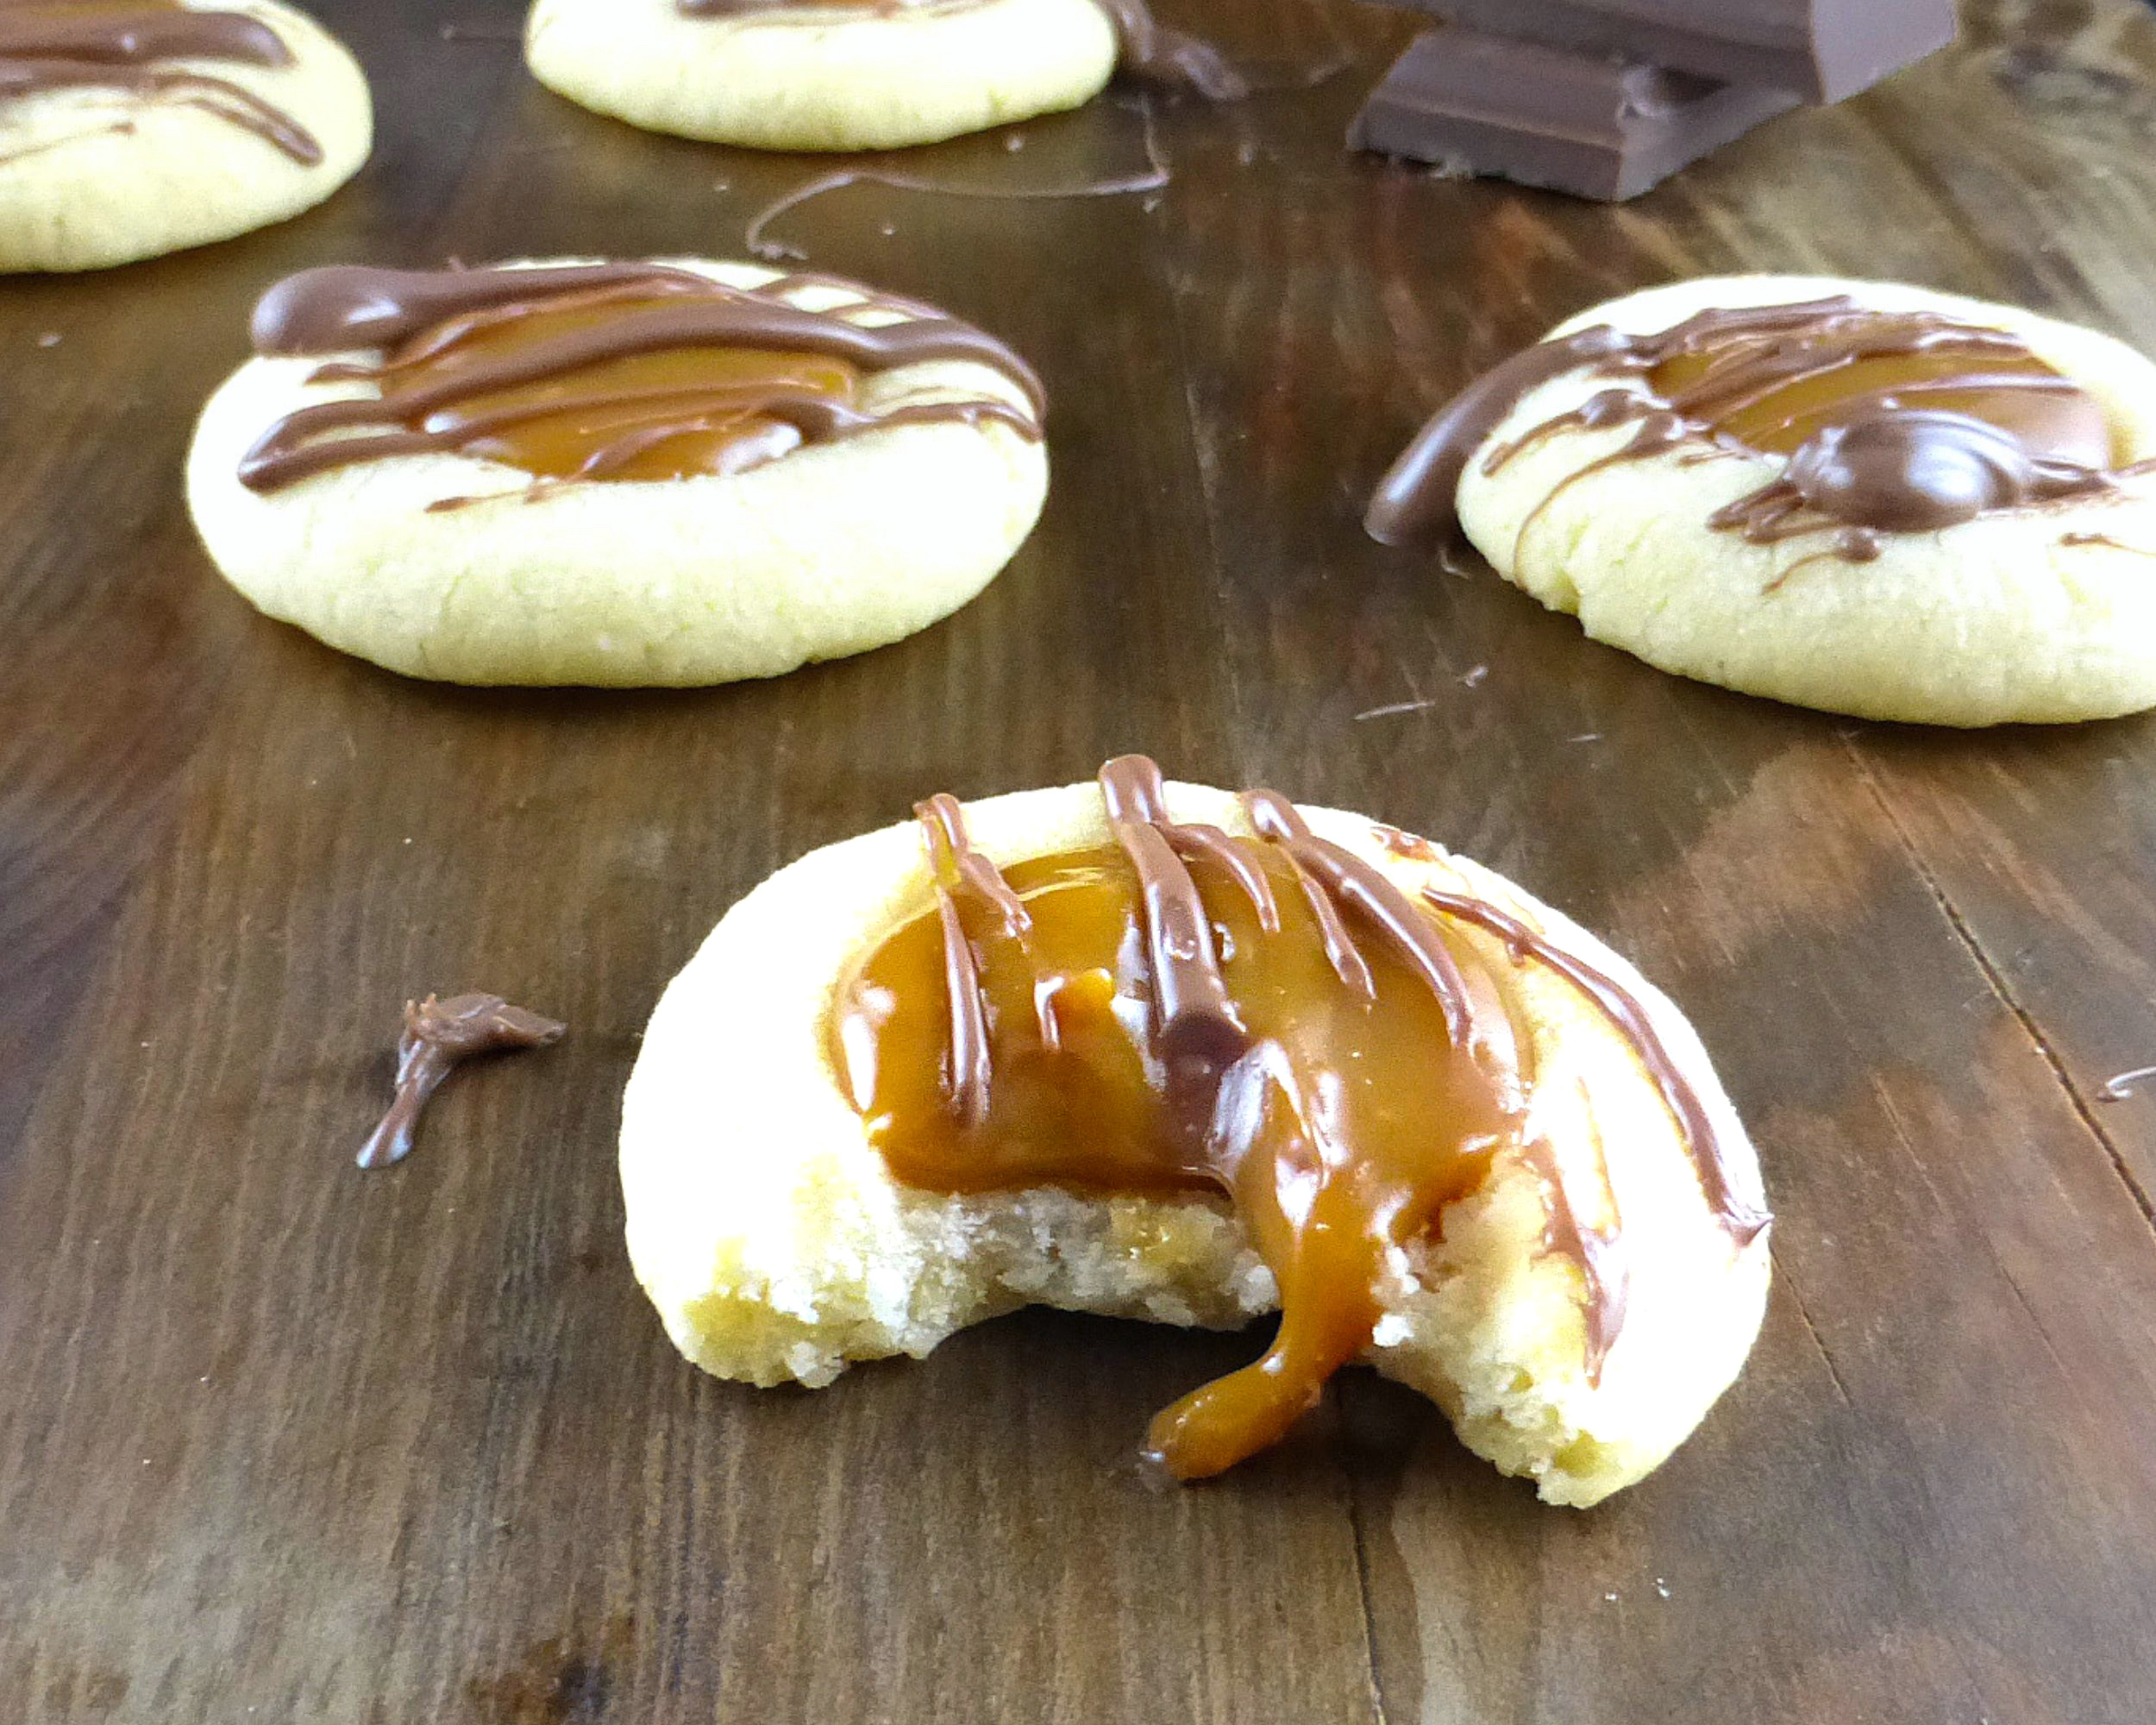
<point>1378,1711</point>
<point>1995,980</point>
<point>1803,1312</point>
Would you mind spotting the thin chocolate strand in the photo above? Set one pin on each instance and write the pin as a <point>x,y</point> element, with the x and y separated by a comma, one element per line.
<point>944,829</point>
<point>219,96</point>
<point>1215,846</point>
<point>339,307</point>
<point>1193,1014</point>
<point>1743,1215</point>
<point>1598,1251</point>
<point>1340,950</point>
<point>1381,904</point>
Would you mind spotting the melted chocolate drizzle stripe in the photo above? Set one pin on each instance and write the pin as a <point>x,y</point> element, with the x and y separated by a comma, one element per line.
<point>1871,461</point>
<point>1742,1213</point>
<point>128,52</point>
<point>418,317</point>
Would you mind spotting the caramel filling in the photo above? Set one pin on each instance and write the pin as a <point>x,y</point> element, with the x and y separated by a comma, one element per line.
<point>1331,1098</point>
<point>603,371</point>
<point>664,414</point>
<point>1773,390</point>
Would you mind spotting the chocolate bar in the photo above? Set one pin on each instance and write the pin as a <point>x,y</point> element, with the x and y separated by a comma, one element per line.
<point>1540,116</point>
<point>1818,50</point>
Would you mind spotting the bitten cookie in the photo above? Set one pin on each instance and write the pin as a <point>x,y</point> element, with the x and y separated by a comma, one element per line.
<point>848,74</point>
<point>650,473</point>
<point>131,129</point>
<point>1868,497</point>
<point>1159,1051</point>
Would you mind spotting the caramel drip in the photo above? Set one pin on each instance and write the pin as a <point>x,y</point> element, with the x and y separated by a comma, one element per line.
<point>1147,48</point>
<point>127,45</point>
<point>1889,422</point>
<point>1166,1015</point>
<point>439,1036</point>
<point>599,372</point>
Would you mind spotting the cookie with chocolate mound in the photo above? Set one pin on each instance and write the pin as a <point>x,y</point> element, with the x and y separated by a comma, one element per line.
<point>644,472</point>
<point>133,128</point>
<point>1162,1051</point>
<point>850,74</point>
<point>1859,496</point>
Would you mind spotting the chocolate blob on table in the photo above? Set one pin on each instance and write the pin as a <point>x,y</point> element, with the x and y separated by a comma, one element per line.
<point>603,371</point>
<point>1146,48</point>
<point>128,45</point>
<point>438,1037</point>
<point>1272,1018</point>
<point>1885,421</point>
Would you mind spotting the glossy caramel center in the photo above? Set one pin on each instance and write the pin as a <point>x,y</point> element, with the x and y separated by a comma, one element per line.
<point>674,413</point>
<point>1342,1134</point>
<point>1772,390</point>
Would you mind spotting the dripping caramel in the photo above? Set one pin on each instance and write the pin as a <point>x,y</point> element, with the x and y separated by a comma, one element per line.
<point>1332,1104</point>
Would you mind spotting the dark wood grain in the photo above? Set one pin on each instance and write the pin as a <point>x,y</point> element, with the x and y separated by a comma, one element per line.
<point>280,1440</point>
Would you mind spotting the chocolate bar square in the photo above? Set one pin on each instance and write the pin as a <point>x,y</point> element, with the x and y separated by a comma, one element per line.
<point>1818,50</point>
<point>1577,122</point>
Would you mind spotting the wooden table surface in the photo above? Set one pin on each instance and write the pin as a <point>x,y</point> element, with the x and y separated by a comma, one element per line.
<point>282,1440</point>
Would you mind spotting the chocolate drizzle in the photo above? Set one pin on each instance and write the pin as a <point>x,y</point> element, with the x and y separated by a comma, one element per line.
<point>949,855</point>
<point>1272,1017</point>
<point>1147,48</point>
<point>603,371</point>
<point>1195,1021</point>
<point>48,45</point>
<point>439,1036</point>
<point>2105,539</point>
<point>1743,1213</point>
<point>1891,422</point>
<point>1346,877</point>
<point>1599,1252</point>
